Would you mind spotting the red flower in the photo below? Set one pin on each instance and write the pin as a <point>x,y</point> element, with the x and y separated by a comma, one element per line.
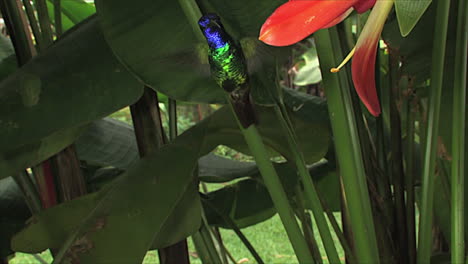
<point>297,19</point>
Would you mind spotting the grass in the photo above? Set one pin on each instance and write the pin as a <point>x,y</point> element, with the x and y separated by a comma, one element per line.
<point>267,237</point>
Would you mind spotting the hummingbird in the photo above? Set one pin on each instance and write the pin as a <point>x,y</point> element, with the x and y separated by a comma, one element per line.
<point>228,67</point>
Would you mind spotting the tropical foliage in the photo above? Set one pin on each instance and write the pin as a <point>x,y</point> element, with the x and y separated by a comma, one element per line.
<point>381,141</point>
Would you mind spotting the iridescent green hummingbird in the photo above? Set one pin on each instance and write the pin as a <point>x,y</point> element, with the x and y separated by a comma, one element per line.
<point>228,67</point>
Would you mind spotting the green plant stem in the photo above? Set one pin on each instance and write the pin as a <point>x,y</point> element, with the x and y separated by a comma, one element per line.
<point>33,22</point>
<point>409,184</point>
<point>437,72</point>
<point>222,248</point>
<point>29,191</point>
<point>306,223</point>
<point>347,149</point>
<point>397,173</point>
<point>216,243</point>
<point>172,119</point>
<point>238,232</point>
<point>18,30</point>
<point>309,187</point>
<point>258,150</point>
<point>208,242</point>
<point>58,18</point>
<point>458,136</point>
<point>200,247</point>
<point>40,259</point>
<point>150,137</point>
<point>44,22</point>
<point>277,193</point>
<point>347,249</point>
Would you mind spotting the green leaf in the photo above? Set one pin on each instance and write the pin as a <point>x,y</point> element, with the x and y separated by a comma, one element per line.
<point>8,65</point>
<point>315,136</point>
<point>73,12</point>
<point>108,142</point>
<point>14,214</point>
<point>136,206</point>
<point>235,201</point>
<point>416,49</point>
<point>165,53</point>
<point>30,154</point>
<point>122,210</point>
<point>327,182</point>
<point>8,62</point>
<point>409,13</point>
<point>76,10</point>
<point>6,48</point>
<point>441,258</point>
<point>75,82</point>
<point>309,73</point>
<point>215,169</point>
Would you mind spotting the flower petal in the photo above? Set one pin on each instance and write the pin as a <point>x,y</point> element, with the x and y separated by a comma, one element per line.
<point>364,5</point>
<point>363,65</point>
<point>295,20</point>
<point>363,71</point>
<point>339,19</point>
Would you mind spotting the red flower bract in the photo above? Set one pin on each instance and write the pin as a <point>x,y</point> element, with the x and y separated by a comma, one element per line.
<point>297,19</point>
<point>364,76</point>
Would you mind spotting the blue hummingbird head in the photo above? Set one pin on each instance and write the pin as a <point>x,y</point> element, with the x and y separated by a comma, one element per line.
<point>209,20</point>
<point>213,30</point>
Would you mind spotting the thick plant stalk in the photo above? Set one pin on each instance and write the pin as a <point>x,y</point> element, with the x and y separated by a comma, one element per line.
<point>429,165</point>
<point>69,179</point>
<point>172,119</point>
<point>145,115</point>
<point>31,196</point>
<point>45,184</point>
<point>20,35</point>
<point>458,136</point>
<point>44,22</point>
<point>306,224</point>
<point>397,172</point>
<point>409,183</point>
<point>207,241</point>
<point>30,12</point>
<point>309,187</point>
<point>150,137</point>
<point>277,193</point>
<point>348,150</point>
<point>58,18</point>
<point>201,248</point>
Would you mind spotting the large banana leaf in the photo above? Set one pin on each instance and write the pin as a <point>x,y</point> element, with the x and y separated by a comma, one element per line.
<point>108,142</point>
<point>165,53</point>
<point>112,143</point>
<point>74,82</point>
<point>14,213</point>
<point>216,169</point>
<point>164,178</point>
<point>124,219</point>
<point>235,200</point>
